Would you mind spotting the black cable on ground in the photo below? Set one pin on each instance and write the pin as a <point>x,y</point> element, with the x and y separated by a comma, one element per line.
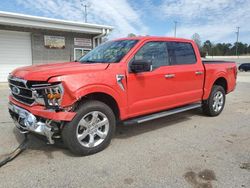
<point>16,152</point>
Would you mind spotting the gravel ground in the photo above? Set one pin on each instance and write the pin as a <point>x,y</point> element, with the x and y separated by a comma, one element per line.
<point>184,150</point>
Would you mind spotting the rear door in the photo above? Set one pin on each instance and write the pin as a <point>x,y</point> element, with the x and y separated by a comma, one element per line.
<point>188,71</point>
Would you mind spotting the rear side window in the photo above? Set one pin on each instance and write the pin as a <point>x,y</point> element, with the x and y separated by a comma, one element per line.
<point>181,53</point>
<point>155,52</point>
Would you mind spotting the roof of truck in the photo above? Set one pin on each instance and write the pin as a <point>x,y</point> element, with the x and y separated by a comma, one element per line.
<point>156,38</point>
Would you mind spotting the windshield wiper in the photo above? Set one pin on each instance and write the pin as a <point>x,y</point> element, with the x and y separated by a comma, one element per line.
<point>92,61</point>
<point>89,61</point>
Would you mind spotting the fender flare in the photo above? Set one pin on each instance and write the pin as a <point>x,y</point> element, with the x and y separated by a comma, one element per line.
<point>100,88</point>
<point>208,88</point>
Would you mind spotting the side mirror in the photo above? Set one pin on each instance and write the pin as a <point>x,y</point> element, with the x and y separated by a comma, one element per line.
<point>140,66</point>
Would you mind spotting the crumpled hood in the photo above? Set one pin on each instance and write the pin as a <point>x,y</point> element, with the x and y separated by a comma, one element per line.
<point>46,71</point>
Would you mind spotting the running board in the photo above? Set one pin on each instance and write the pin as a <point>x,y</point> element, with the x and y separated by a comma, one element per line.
<point>162,114</point>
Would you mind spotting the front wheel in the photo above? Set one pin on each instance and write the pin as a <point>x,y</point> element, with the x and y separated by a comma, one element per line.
<point>91,130</point>
<point>216,101</point>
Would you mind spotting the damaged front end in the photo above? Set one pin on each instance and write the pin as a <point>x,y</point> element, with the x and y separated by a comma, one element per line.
<point>35,107</point>
<point>26,122</point>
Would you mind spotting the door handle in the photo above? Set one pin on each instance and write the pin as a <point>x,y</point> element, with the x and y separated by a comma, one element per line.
<point>199,72</point>
<point>169,75</point>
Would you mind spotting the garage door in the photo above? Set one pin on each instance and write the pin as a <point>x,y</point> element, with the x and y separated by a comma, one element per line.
<point>15,51</point>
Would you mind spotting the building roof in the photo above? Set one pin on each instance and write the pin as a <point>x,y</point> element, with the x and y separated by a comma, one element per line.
<point>27,21</point>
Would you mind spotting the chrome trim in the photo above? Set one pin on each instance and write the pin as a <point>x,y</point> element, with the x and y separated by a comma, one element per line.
<point>23,101</point>
<point>19,92</point>
<point>22,96</point>
<point>119,78</point>
<point>37,85</point>
<point>167,113</point>
<point>198,72</point>
<point>18,80</point>
<point>25,88</point>
<point>30,123</point>
<point>162,114</point>
<point>169,75</point>
<point>15,90</point>
<point>18,86</point>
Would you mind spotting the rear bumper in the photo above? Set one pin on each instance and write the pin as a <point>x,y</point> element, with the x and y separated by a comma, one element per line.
<point>46,114</point>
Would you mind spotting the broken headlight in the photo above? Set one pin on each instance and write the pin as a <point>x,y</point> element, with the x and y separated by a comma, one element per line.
<point>50,95</point>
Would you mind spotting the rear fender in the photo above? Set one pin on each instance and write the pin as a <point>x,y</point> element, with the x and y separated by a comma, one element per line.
<point>210,81</point>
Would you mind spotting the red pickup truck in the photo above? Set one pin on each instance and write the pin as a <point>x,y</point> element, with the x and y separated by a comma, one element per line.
<point>129,80</point>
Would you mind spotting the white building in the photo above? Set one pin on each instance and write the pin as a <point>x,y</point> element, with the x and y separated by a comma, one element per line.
<point>27,40</point>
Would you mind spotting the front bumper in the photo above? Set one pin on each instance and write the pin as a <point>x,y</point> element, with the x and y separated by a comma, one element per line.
<point>36,119</point>
<point>27,122</point>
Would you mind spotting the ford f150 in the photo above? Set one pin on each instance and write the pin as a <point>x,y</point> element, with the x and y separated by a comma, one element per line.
<point>129,80</point>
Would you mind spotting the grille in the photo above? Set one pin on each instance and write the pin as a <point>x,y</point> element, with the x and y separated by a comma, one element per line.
<point>20,91</point>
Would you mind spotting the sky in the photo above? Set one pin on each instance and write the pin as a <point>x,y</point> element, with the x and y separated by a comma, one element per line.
<point>214,20</point>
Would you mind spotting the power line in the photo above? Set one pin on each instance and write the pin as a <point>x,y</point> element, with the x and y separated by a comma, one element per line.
<point>237,40</point>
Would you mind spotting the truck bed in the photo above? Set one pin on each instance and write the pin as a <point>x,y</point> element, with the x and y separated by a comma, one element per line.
<point>215,69</point>
<point>215,61</point>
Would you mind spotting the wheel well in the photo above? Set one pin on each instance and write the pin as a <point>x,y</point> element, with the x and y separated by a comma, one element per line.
<point>107,99</point>
<point>221,82</point>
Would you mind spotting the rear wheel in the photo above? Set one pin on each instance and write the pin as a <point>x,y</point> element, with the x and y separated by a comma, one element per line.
<point>241,70</point>
<point>91,130</point>
<point>216,101</point>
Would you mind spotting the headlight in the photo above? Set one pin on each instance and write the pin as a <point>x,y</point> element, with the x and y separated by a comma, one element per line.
<point>50,96</point>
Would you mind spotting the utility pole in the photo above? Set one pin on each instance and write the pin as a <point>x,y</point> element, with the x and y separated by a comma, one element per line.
<point>237,40</point>
<point>175,28</point>
<point>85,6</point>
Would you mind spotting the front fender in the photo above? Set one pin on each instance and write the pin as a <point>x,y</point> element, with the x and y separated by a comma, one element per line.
<point>120,99</point>
<point>83,91</point>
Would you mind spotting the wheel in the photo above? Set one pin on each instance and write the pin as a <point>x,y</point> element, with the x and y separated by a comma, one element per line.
<point>91,130</point>
<point>241,70</point>
<point>216,101</point>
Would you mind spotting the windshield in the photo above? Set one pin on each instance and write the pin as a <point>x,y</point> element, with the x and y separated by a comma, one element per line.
<point>109,52</point>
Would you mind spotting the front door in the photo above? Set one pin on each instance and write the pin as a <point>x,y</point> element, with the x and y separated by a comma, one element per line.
<point>147,90</point>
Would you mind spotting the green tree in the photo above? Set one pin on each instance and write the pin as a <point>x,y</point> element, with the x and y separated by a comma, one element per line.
<point>207,47</point>
<point>131,35</point>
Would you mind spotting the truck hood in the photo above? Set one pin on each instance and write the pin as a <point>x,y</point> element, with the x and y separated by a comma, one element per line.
<point>46,71</point>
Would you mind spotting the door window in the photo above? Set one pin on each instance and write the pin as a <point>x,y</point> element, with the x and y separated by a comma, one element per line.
<point>181,53</point>
<point>156,52</point>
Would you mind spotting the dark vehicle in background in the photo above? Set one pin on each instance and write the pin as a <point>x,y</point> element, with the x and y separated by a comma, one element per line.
<point>244,67</point>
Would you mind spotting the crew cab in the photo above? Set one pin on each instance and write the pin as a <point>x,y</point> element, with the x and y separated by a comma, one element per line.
<point>129,80</point>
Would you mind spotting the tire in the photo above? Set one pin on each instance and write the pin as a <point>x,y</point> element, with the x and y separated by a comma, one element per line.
<point>91,130</point>
<point>214,105</point>
<point>241,70</point>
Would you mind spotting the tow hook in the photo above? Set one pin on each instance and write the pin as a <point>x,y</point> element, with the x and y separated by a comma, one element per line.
<point>16,152</point>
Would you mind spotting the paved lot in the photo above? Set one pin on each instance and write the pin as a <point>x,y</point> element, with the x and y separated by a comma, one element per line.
<point>184,150</point>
